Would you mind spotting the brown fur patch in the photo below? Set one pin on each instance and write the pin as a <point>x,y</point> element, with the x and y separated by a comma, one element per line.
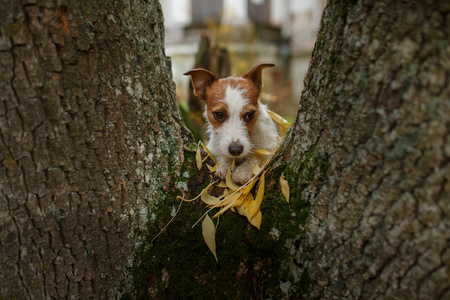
<point>216,107</point>
<point>250,91</point>
<point>215,97</point>
<point>250,125</point>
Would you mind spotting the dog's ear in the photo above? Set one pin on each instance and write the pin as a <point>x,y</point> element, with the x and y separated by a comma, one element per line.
<point>201,80</point>
<point>255,74</point>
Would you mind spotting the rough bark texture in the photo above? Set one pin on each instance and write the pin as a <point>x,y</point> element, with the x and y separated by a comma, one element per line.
<point>373,135</point>
<point>89,132</point>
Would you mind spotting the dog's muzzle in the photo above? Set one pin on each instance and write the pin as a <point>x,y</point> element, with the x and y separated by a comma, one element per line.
<point>235,148</point>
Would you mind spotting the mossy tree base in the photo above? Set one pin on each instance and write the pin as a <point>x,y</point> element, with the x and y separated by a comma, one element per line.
<point>253,264</point>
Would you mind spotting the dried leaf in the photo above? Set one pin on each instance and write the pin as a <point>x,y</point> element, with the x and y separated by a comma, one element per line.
<point>208,199</point>
<point>284,127</point>
<point>284,187</point>
<point>276,117</point>
<point>209,234</point>
<point>248,202</point>
<point>242,208</point>
<point>256,169</point>
<point>262,152</point>
<point>232,164</point>
<point>222,184</point>
<point>249,185</point>
<point>256,220</point>
<point>231,200</point>
<point>212,169</point>
<point>207,151</point>
<point>228,199</point>
<point>239,201</point>
<point>230,183</point>
<point>198,157</point>
<point>226,193</point>
<point>254,207</point>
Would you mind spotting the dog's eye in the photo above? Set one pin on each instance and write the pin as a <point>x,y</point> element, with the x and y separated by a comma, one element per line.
<point>249,116</point>
<point>219,116</point>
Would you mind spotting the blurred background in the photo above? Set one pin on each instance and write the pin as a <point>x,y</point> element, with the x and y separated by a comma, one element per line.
<point>229,37</point>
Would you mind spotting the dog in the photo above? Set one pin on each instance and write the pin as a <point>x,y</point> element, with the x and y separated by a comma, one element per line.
<point>237,123</point>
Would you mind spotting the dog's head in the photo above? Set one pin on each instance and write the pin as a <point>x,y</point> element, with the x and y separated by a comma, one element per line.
<point>231,107</point>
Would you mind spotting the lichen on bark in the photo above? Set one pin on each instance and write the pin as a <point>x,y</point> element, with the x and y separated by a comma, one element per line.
<point>376,105</point>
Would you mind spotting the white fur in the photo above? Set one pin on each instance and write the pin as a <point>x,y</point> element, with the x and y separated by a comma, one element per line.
<point>233,129</point>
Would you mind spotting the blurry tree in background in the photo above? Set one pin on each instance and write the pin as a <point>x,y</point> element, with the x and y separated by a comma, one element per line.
<point>216,60</point>
<point>252,32</point>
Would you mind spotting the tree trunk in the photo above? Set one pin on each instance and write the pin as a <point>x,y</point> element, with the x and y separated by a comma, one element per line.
<point>368,165</point>
<point>92,149</point>
<point>372,134</point>
<point>90,133</point>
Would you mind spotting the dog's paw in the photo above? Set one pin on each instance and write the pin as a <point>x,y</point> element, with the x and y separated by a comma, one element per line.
<point>242,174</point>
<point>221,172</point>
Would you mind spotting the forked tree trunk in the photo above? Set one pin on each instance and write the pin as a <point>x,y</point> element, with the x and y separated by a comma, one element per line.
<point>89,134</point>
<point>372,134</point>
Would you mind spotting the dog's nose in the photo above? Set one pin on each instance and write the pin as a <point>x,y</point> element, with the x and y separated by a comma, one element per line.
<point>235,148</point>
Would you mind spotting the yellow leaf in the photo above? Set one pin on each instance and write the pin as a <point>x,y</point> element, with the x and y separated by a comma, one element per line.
<point>284,127</point>
<point>222,184</point>
<point>256,220</point>
<point>254,207</point>
<point>242,208</point>
<point>209,235</point>
<point>239,201</point>
<point>226,193</point>
<point>232,164</point>
<point>198,157</point>
<point>234,198</point>
<point>276,117</point>
<point>249,186</point>
<point>262,152</point>
<point>230,182</point>
<point>229,199</point>
<point>248,202</point>
<point>208,199</point>
<point>284,187</point>
<point>207,151</point>
<point>212,169</point>
<point>256,169</point>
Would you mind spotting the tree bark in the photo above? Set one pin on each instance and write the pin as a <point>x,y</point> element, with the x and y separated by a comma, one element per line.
<point>89,134</point>
<point>368,165</point>
<point>92,158</point>
<point>372,138</point>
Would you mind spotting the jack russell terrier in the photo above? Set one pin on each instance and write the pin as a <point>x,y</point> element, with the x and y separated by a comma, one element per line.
<point>236,122</point>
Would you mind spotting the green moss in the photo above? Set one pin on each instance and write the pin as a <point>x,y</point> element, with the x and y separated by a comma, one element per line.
<point>178,264</point>
<point>333,56</point>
